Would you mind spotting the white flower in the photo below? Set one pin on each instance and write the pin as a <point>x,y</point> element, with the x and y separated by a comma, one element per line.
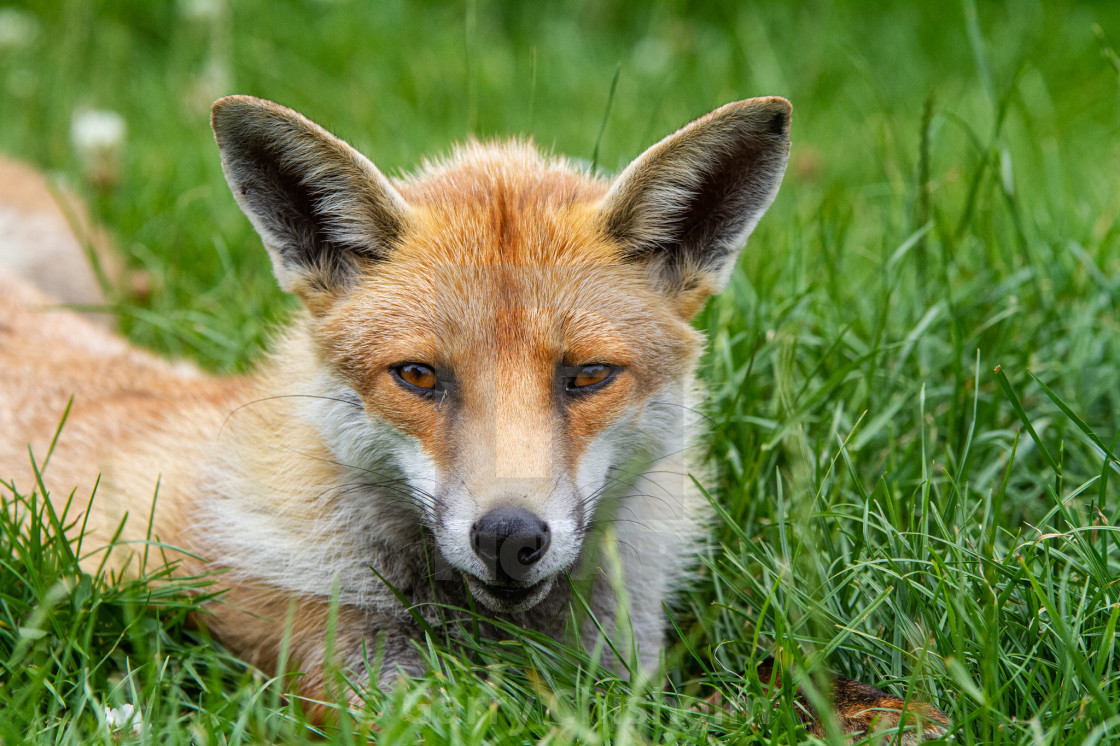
<point>125,716</point>
<point>96,130</point>
<point>98,138</point>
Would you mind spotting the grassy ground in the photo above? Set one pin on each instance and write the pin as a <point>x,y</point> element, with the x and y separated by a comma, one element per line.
<point>914,375</point>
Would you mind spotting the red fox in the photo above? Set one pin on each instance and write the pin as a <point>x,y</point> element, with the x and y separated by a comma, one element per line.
<point>493,360</point>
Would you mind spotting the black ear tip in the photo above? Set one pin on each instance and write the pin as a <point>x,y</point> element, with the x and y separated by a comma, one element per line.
<point>777,124</point>
<point>766,116</point>
<point>780,111</point>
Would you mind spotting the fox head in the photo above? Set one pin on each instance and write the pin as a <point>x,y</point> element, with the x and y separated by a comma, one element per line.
<point>514,330</point>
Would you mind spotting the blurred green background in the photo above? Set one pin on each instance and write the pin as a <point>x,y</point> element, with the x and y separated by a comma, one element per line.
<point>951,205</point>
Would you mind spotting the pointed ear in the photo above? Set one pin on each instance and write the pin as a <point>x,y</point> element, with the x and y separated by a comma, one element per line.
<point>686,206</point>
<point>321,208</point>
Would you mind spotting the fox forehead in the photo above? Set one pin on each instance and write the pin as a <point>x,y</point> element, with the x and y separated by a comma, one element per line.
<point>503,261</point>
<point>460,316</point>
<point>538,209</point>
<point>503,205</point>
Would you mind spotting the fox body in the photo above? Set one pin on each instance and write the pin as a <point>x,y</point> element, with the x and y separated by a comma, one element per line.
<point>490,389</point>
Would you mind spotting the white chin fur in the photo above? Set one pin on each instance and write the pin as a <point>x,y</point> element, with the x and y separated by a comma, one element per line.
<point>508,606</point>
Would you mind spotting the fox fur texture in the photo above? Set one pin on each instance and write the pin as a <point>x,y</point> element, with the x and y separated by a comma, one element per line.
<point>492,378</point>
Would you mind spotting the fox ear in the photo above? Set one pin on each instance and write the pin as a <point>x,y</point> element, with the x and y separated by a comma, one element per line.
<point>686,206</point>
<point>321,208</point>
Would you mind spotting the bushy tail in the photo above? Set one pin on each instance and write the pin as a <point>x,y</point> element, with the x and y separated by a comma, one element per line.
<point>48,240</point>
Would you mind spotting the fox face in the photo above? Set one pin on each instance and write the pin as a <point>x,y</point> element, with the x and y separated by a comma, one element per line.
<point>503,331</point>
<point>524,387</point>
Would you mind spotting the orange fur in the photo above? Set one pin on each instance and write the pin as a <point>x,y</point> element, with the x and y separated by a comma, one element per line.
<point>504,273</point>
<point>496,267</point>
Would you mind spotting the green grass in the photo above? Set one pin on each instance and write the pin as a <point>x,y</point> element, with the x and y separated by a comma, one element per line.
<point>894,509</point>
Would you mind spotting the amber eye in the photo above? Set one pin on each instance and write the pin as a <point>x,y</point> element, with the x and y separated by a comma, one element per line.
<point>416,374</point>
<point>591,375</point>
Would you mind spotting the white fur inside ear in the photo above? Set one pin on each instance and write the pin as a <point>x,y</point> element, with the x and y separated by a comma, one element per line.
<point>287,278</point>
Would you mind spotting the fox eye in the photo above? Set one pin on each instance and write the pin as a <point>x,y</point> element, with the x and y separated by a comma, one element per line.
<point>416,375</point>
<point>591,377</point>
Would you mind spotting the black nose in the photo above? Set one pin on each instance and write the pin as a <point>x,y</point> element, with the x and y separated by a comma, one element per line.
<point>510,541</point>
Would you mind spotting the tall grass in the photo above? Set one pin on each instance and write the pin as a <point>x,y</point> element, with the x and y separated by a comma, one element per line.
<point>915,389</point>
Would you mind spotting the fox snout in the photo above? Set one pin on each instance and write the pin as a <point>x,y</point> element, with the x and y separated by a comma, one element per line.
<point>510,541</point>
<point>510,548</point>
